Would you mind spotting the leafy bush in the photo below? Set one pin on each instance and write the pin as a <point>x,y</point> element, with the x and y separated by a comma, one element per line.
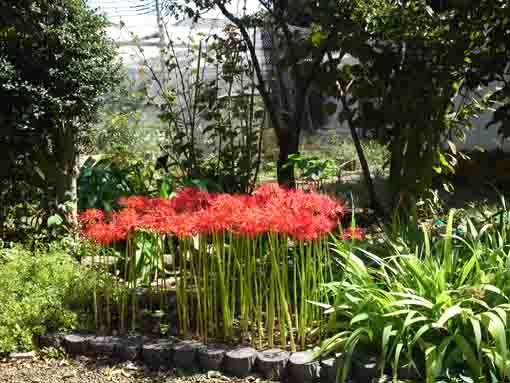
<point>438,306</point>
<point>126,124</point>
<point>213,125</point>
<point>37,291</point>
<point>312,168</point>
<point>56,61</point>
<point>103,182</point>
<point>125,132</point>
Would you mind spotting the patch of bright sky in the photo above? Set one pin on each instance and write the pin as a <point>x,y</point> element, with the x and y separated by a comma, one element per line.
<point>118,10</point>
<point>122,12</point>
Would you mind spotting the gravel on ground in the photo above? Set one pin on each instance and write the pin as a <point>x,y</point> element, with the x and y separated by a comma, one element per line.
<point>91,370</point>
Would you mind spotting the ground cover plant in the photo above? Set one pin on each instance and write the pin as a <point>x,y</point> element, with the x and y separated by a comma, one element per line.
<point>247,262</point>
<point>39,291</point>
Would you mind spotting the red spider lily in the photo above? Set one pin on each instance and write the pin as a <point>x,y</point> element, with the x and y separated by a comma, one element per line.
<point>135,202</point>
<point>302,227</point>
<point>190,199</point>
<point>271,215</point>
<point>340,210</point>
<point>184,226</point>
<point>350,233</point>
<point>210,221</point>
<point>281,220</point>
<point>127,219</point>
<point>269,190</point>
<point>164,224</point>
<point>295,213</point>
<point>104,233</point>
<point>91,216</point>
<point>325,226</point>
<point>313,202</point>
<point>251,222</point>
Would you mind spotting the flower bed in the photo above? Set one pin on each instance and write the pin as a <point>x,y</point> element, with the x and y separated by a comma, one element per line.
<point>244,266</point>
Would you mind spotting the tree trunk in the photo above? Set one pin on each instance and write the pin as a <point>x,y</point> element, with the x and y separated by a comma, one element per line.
<point>288,138</point>
<point>287,131</point>
<point>67,192</point>
<point>374,202</point>
<point>395,180</point>
<point>289,144</point>
<point>66,175</point>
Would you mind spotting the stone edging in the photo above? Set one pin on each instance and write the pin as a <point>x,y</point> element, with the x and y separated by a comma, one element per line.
<point>240,361</point>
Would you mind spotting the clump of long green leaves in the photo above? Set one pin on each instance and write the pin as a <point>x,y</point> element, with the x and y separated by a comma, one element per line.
<point>439,306</point>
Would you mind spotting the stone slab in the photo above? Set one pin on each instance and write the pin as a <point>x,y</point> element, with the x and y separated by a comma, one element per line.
<point>272,363</point>
<point>240,361</point>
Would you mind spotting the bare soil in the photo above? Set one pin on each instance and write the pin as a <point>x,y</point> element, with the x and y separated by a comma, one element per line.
<point>88,370</point>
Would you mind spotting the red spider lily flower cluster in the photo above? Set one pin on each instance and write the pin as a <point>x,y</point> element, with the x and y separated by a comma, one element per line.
<point>91,216</point>
<point>352,233</point>
<point>298,214</point>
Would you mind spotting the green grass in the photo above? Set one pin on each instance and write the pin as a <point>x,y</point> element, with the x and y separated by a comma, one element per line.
<point>340,150</point>
<point>344,152</point>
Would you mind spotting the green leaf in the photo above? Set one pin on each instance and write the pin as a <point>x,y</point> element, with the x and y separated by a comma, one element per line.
<point>55,220</point>
<point>469,355</point>
<point>423,329</point>
<point>447,249</point>
<point>318,36</point>
<point>387,333</point>
<point>320,304</point>
<point>452,146</point>
<point>396,359</point>
<point>497,330</point>
<point>475,323</point>
<point>412,302</point>
<point>450,313</point>
<point>467,269</point>
<point>359,318</point>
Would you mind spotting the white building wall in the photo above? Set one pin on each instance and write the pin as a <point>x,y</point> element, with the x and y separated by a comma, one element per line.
<point>480,135</point>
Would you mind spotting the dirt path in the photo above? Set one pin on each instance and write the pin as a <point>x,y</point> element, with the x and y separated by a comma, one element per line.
<point>85,370</point>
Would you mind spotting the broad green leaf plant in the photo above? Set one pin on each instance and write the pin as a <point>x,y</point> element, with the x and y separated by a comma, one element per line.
<point>437,307</point>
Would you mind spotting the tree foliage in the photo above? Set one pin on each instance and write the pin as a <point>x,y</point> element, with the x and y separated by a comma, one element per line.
<point>55,63</point>
<point>415,60</point>
<point>421,66</point>
<point>417,77</point>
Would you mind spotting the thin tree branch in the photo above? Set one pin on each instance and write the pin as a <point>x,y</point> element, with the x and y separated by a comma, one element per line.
<point>359,148</point>
<point>258,71</point>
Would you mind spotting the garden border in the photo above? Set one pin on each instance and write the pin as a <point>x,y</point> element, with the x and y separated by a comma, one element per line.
<point>164,353</point>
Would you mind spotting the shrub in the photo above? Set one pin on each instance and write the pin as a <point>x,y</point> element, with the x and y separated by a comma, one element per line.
<point>37,291</point>
<point>56,62</point>
<point>101,183</point>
